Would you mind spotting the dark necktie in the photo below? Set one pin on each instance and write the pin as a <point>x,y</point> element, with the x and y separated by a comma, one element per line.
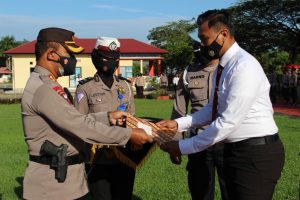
<point>215,101</point>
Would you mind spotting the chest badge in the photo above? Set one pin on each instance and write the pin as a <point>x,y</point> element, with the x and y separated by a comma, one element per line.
<point>121,93</point>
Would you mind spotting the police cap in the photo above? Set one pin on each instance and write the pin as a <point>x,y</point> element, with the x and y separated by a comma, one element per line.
<point>108,47</point>
<point>62,36</point>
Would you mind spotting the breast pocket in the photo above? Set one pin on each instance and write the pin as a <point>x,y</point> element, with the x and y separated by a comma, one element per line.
<point>198,89</point>
<point>98,104</point>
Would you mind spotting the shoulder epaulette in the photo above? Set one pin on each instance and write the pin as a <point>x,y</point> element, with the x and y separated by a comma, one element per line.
<point>122,78</point>
<point>84,81</point>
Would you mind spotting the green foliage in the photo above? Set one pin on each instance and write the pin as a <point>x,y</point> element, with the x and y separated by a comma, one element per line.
<point>135,70</point>
<point>273,61</point>
<point>158,178</point>
<point>156,93</point>
<point>263,25</point>
<point>174,37</point>
<point>8,42</point>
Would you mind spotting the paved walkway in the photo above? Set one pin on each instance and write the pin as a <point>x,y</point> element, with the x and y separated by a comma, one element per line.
<point>287,109</point>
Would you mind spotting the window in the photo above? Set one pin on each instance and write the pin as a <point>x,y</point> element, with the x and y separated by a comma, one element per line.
<point>126,71</point>
<point>74,79</point>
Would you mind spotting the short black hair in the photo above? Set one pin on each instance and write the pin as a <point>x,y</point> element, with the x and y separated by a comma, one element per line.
<point>217,19</point>
<point>42,47</point>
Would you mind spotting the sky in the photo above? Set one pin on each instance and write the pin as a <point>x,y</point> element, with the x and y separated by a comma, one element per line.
<point>94,18</point>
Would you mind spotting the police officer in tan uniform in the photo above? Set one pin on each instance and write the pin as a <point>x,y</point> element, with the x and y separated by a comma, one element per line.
<point>163,80</point>
<point>195,87</point>
<point>48,117</point>
<point>108,178</point>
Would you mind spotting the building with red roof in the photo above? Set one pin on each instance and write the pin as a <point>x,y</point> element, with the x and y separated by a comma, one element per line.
<point>148,57</point>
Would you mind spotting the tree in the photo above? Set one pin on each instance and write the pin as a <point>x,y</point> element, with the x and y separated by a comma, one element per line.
<point>174,37</point>
<point>6,43</point>
<point>268,25</point>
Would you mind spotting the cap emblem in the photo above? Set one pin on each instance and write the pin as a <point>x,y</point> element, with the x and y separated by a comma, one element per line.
<point>113,46</point>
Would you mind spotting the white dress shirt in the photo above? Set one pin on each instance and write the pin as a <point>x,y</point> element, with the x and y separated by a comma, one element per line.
<point>244,106</point>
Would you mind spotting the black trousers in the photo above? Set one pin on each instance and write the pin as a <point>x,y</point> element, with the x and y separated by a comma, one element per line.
<point>201,173</point>
<point>111,182</point>
<point>294,94</point>
<point>253,171</point>
<point>139,91</point>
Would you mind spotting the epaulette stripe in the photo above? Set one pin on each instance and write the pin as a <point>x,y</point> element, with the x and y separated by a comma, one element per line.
<point>84,81</point>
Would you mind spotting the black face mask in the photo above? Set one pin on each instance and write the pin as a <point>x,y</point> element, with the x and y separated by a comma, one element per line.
<point>200,58</point>
<point>68,65</point>
<point>111,64</point>
<point>212,51</point>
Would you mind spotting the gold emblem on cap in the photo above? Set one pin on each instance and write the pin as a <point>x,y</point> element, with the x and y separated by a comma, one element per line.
<point>113,46</point>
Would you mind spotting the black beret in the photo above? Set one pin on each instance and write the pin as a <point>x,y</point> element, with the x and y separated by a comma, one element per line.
<point>62,36</point>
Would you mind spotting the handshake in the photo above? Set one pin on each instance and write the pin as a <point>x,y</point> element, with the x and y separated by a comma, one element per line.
<point>164,132</point>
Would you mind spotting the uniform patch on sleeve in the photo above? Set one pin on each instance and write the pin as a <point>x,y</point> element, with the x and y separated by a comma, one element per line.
<point>62,93</point>
<point>79,96</point>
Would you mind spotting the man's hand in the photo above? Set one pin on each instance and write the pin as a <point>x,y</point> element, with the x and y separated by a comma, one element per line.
<point>172,148</point>
<point>175,160</point>
<point>171,124</point>
<point>117,117</point>
<point>140,137</point>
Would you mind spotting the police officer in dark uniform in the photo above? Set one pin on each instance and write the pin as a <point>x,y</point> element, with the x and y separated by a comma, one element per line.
<point>108,178</point>
<point>195,86</point>
<point>55,170</point>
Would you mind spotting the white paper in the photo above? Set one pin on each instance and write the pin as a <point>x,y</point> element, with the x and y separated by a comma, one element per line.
<point>147,128</point>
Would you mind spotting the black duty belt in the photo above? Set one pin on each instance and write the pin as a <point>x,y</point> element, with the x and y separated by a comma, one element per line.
<point>255,141</point>
<point>47,160</point>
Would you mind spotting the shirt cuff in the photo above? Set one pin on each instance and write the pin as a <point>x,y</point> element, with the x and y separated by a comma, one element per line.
<point>101,117</point>
<point>185,146</point>
<point>184,123</point>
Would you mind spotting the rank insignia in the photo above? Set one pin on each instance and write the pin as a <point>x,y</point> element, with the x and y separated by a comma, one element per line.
<point>51,77</point>
<point>62,93</point>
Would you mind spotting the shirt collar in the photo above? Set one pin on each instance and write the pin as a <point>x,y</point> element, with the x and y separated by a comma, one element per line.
<point>100,82</point>
<point>41,70</point>
<point>229,53</point>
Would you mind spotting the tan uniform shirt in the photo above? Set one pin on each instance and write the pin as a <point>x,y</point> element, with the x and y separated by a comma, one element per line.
<point>194,87</point>
<point>94,96</point>
<point>140,81</point>
<point>48,115</point>
<point>163,80</point>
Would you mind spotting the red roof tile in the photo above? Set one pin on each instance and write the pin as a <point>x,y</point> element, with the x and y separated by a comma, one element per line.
<point>127,46</point>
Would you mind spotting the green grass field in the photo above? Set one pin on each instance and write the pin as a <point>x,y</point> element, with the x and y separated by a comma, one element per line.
<point>158,178</point>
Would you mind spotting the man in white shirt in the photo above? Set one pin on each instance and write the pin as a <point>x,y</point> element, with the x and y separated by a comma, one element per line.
<point>239,113</point>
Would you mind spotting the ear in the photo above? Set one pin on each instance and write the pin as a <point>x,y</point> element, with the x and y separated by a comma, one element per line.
<point>225,33</point>
<point>51,55</point>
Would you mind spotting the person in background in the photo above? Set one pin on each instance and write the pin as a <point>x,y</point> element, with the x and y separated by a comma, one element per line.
<point>195,86</point>
<point>139,85</point>
<point>163,80</point>
<point>272,77</point>
<point>286,85</point>
<point>239,114</point>
<point>293,86</point>
<point>175,81</point>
